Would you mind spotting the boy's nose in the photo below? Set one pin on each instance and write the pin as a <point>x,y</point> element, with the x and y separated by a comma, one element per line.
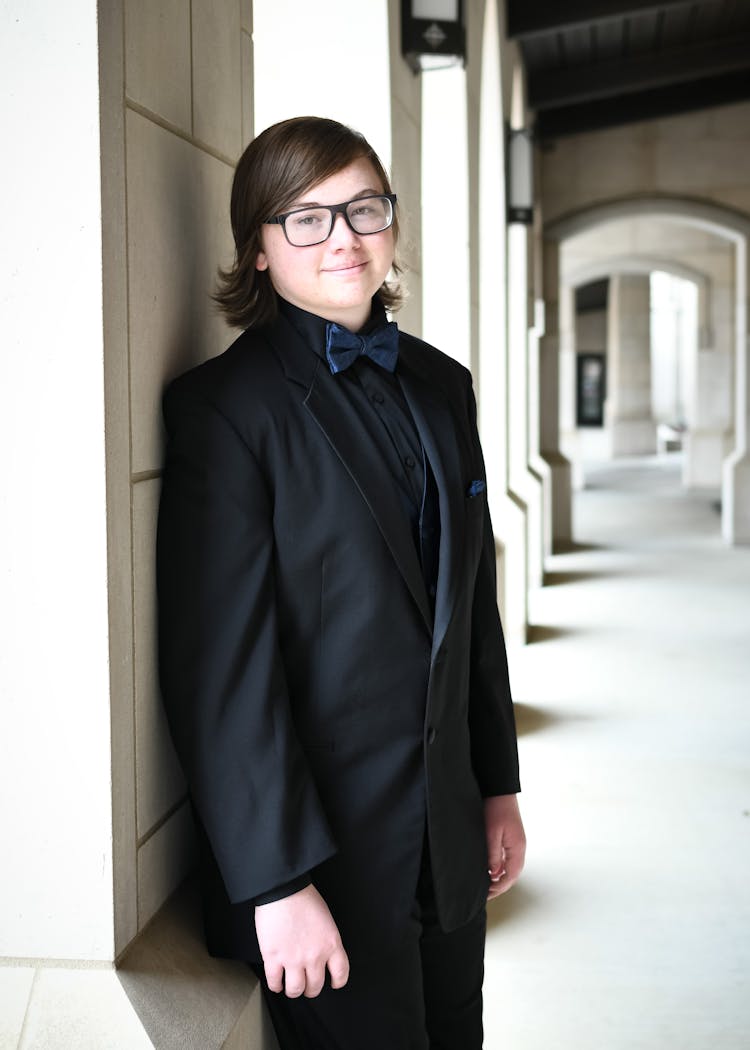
<point>342,233</point>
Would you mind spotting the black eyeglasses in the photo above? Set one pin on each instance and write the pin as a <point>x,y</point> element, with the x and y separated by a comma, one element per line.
<point>304,227</point>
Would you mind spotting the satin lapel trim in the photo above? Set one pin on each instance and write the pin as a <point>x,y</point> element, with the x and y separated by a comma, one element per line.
<point>348,436</point>
<point>437,431</point>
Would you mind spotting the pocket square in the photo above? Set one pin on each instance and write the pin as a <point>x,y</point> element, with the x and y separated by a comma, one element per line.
<point>475,488</point>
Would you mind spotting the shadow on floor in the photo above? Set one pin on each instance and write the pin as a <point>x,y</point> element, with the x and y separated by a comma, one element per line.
<point>573,547</point>
<point>533,719</point>
<point>539,632</point>
<point>515,904</point>
<point>557,579</point>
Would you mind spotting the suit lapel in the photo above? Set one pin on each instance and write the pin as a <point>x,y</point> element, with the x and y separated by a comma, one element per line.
<point>437,430</point>
<point>350,438</point>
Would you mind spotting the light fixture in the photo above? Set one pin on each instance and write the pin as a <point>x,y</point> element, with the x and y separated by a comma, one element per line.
<point>433,35</point>
<point>520,189</point>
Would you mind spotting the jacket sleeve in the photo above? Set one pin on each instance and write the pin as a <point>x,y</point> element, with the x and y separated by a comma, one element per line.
<point>221,673</point>
<point>492,726</point>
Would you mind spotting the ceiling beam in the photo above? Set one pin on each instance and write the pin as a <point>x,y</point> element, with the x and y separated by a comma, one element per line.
<point>646,105</point>
<point>530,17</point>
<point>551,89</point>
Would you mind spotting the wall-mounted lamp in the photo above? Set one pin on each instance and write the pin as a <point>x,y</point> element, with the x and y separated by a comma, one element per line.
<point>520,189</point>
<point>433,35</point>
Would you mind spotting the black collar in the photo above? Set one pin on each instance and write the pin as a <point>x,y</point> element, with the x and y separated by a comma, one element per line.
<point>312,328</point>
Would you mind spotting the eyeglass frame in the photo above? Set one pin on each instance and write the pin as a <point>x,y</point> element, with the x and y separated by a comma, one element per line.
<point>335,209</point>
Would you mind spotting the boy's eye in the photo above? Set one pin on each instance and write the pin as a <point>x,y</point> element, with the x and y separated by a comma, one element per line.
<point>307,218</point>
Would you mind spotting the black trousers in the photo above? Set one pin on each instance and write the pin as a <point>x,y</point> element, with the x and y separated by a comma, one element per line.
<point>427,995</point>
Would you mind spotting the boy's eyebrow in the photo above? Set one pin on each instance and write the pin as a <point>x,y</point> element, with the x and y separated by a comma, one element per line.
<point>368,192</point>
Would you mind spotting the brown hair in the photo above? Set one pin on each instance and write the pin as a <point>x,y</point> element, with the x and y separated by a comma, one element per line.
<point>281,164</point>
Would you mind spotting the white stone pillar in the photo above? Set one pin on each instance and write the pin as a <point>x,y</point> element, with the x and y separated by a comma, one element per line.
<point>89,859</point>
<point>569,437</point>
<point>561,509</point>
<point>54,675</point>
<point>735,520</point>
<point>709,413</point>
<point>628,412</point>
<point>445,245</point>
<point>524,484</point>
<point>709,419</point>
<point>538,466</point>
<point>508,517</point>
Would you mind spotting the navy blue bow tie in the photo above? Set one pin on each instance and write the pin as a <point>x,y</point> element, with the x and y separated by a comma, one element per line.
<point>344,347</point>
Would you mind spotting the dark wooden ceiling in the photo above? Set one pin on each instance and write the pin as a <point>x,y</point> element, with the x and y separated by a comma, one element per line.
<point>598,63</point>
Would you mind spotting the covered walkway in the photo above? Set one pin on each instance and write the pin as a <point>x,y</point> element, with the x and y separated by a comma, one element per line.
<point>631,928</point>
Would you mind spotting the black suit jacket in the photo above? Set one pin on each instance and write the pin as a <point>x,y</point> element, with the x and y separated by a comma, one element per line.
<point>323,719</point>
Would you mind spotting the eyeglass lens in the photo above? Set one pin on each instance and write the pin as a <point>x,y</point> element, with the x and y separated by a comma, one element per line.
<point>313,225</point>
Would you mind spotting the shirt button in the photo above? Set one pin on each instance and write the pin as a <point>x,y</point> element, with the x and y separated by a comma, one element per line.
<point>378,398</point>
<point>410,462</point>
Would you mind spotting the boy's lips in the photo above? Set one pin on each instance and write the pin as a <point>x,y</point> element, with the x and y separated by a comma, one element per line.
<point>355,264</point>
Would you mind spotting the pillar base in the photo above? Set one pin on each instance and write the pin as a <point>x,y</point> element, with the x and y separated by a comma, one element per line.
<point>512,580</point>
<point>167,993</point>
<point>633,437</point>
<point>735,499</point>
<point>562,499</point>
<point>527,488</point>
<point>704,453</point>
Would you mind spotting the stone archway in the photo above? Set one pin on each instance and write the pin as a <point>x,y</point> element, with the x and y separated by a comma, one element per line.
<point>708,410</point>
<point>726,223</point>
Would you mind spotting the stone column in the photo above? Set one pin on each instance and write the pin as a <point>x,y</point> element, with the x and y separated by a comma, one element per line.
<point>569,437</point>
<point>524,484</point>
<point>709,410</point>
<point>560,529</point>
<point>709,419</point>
<point>490,321</point>
<point>133,233</point>
<point>628,412</point>
<point>735,519</point>
<point>538,467</point>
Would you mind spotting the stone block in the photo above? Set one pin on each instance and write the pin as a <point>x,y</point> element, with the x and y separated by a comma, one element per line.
<point>729,122</point>
<point>185,999</point>
<point>248,122</point>
<point>737,196</point>
<point>164,861</point>
<point>246,15</point>
<point>701,166</point>
<point>158,60</point>
<point>159,781</point>
<point>683,127</point>
<point>217,75</point>
<point>178,233</point>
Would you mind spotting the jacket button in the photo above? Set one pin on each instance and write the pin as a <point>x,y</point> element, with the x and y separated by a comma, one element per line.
<point>432,733</point>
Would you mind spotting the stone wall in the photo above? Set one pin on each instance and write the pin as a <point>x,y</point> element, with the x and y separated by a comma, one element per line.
<point>704,155</point>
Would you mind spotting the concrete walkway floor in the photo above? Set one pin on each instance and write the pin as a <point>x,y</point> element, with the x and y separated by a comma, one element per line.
<point>630,929</point>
